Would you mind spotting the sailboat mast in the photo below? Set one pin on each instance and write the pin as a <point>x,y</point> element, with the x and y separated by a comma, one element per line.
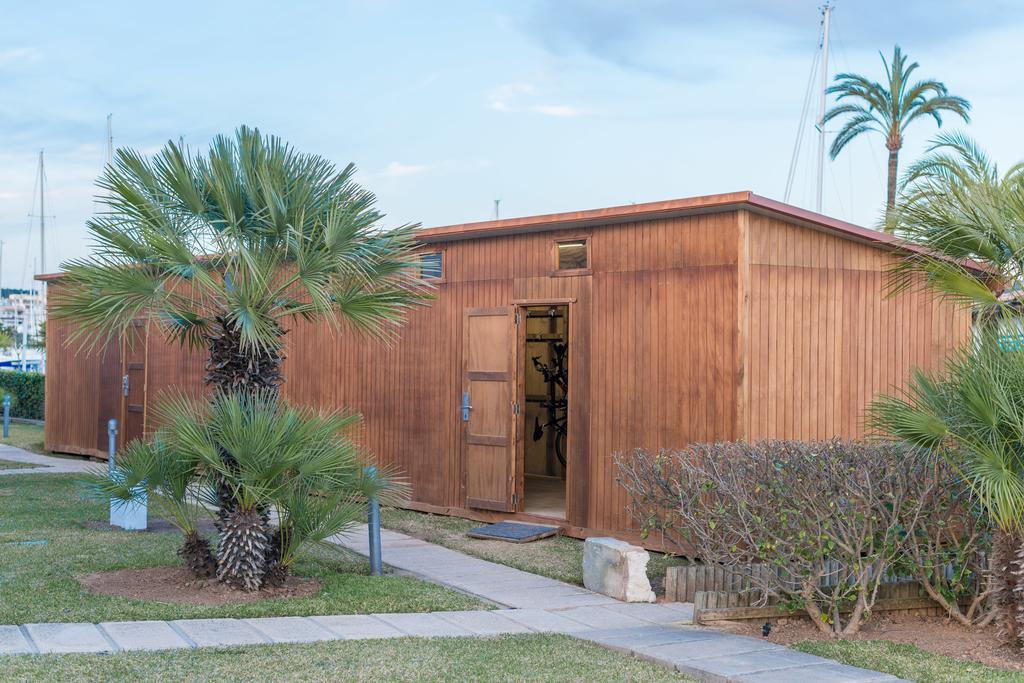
<point>826,13</point>
<point>110,138</point>
<point>42,213</point>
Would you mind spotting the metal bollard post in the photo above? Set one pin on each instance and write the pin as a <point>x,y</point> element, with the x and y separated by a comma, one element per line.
<point>376,568</point>
<point>7,416</point>
<point>111,444</point>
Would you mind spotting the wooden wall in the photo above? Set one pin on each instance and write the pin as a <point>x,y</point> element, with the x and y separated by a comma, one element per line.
<point>825,340</point>
<point>711,327</point>
<point>83,390</point>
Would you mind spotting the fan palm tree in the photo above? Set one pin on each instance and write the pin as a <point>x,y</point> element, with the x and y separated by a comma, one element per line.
<point>222,251</point>
<point>969,217</point>
<point>888,108</point>
<point>290,464</point>
<point>972,414</point>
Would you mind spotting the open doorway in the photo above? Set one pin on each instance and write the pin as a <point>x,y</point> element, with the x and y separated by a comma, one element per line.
<point>546,382</point>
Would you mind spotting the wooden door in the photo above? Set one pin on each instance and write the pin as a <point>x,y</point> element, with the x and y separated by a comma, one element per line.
<point>487,408</point>
<point>133,383</point>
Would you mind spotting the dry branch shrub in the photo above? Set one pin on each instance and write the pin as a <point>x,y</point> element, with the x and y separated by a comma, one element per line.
<point>831,518</point>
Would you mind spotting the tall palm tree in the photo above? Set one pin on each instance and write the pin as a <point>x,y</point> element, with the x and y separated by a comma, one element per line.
<point>889,108</point>
<point>225,251</point>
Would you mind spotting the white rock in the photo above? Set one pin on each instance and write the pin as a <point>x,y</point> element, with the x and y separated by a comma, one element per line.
<point>616,569</point>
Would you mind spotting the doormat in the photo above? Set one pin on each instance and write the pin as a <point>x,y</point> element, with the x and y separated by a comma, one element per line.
<point>514,532</point>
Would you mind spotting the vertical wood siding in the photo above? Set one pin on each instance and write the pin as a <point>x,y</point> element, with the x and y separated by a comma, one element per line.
<point>718,326</point>
<point>825,337</point>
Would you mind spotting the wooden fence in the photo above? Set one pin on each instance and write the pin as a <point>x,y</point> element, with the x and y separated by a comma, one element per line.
<point>718,594</point>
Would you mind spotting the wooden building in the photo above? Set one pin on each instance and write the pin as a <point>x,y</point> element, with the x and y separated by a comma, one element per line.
<point>720,317</point>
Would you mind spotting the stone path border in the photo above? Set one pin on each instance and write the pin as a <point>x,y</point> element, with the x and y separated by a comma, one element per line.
<point>655,635</point>
<point>529,604</point>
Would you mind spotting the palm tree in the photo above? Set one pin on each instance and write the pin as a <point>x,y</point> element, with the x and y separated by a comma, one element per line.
<point>293,464</point>
<point>969,219</point>
<point>972,414</point>
<point>889,109</point>
<point>224,251</point>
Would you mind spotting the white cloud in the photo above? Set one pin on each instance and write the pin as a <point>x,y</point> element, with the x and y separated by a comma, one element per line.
<point>509,98</point>
<point>563,110</point>
<point>397,169</point>
<point>502,97</point>
<point>18,54</point>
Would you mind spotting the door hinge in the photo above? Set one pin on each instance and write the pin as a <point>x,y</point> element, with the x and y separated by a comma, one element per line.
<point>516,318</point>
<point>515,501</point>
<point>124,385</point>
<point>515,408</point>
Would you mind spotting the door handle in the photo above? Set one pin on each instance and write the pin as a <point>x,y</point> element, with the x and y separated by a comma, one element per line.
<point>124,385</point>
<point>465,406</point>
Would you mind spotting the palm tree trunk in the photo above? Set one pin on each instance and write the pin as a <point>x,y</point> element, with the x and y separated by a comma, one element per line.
<point>243,549</point>
<point>1007,566</point>
<point>231,368</point>
<point>890,199</point>
<point>198,557</point>
<point>246,550</point>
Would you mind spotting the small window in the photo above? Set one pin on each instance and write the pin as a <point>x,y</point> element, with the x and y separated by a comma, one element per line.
<point>571,255</point>
<point>431,266</point>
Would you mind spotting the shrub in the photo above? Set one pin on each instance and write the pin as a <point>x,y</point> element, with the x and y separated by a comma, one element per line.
<point>830,518</point>
<point>27,393</point>
<point>278,479</point>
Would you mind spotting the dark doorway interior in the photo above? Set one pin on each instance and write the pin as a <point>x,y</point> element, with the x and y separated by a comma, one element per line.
<point>546,385</point>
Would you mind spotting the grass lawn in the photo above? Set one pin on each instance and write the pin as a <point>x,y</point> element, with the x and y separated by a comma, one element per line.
<point>906,661</point>
<point>37,582</point>
<point>12,465</point>
<point>29,437</point>
<point>506,658</point>
<point>560,557</point>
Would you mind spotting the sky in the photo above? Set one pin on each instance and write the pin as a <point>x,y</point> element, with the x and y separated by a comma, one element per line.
<point>445,106</point>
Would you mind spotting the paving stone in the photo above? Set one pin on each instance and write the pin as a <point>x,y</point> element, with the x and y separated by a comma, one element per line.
<point>358,626</point>
<point>629,639</point>
<point>720,645</point>
<point>829,672</point>
<point>291,629</point>
<point>220,632</point>
<point>656,614</point>
<point>542,620</point>
<point>13,642</point>
<point>597,617</point>
<point>62,638</point>
<point>423,625</point>
<point>546,598</point>
<point>483,622</point>
<point>731,666</point>
<point>144,635</point>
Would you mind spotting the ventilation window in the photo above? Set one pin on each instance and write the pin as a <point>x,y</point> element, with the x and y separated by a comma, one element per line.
<point>431,266</point>
<point>571,255</point>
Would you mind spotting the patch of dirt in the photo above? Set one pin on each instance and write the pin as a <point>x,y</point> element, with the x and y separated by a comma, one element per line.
<point>934,634</point>
<point>176,584</point>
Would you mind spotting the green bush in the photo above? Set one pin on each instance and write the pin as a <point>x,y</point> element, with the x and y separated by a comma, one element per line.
<point>27,393</point>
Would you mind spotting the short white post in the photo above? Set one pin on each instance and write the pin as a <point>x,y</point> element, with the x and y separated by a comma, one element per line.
<point>131,515</point>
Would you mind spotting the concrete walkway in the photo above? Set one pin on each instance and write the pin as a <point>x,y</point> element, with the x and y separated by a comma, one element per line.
<point>43,464</point>
<point>661,633</point>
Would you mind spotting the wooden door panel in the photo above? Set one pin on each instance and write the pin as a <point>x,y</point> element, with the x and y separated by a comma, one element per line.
<point>488,432</point>
<point>133,399</point>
